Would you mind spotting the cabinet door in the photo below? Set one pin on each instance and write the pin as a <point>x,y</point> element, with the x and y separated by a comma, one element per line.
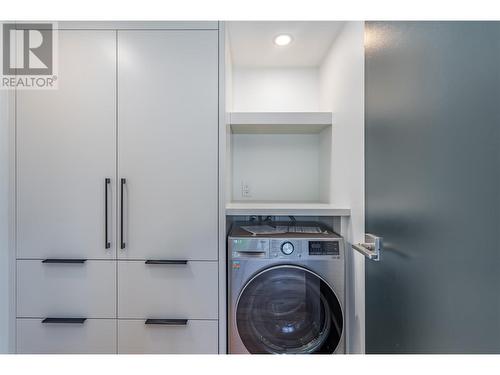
<point>65,149</point>
<point>168,145</point>
<point>93,336</point>
<point>186,291</point>
<point>433,186</point>
<point>66,289</point>
<point>195,337</point>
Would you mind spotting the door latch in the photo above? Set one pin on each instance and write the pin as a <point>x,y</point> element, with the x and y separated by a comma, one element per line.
<point>370,248</point>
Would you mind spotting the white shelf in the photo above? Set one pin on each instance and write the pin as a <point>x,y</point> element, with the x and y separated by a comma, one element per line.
<point>279,122</point>
<point>285,209</point>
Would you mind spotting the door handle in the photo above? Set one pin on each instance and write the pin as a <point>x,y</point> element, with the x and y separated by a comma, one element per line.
<point>107,182</point>
<point>167,322</point>
<point>166,261</point>
<point>371,248</point>
<point>64,320</point>
<point>122,241</point>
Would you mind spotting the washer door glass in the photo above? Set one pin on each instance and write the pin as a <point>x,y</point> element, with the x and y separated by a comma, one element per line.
<point>289,309</point>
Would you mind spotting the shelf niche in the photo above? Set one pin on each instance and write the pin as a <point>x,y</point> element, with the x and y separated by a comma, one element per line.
<point>280,157</point>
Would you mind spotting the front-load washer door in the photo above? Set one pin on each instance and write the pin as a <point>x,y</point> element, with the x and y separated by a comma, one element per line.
<point>289,309</point>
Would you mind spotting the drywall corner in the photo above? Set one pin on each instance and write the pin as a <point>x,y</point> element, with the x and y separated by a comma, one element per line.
<point>341,78</point>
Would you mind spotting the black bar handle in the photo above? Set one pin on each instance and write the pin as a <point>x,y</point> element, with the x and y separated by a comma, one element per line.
<point>56,260</point>
<point>64,320</point>
<point>122,184</point>
<point>166,261</point>
<point>167,322</point>
<point>107,182</point>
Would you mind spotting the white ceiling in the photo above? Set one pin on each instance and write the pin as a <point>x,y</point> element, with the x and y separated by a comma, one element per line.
<point>252,42</point>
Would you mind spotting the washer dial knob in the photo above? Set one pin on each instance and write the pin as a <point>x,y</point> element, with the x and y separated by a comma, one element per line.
<point>287,248</point>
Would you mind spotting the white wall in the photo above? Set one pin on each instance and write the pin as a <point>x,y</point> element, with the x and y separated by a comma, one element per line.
<point>275,89</point>
<point>276,167</point>
<point>5,255</point>
<point>341,78</point>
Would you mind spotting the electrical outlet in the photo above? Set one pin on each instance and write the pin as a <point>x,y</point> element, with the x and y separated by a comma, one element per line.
<point>245,190</point>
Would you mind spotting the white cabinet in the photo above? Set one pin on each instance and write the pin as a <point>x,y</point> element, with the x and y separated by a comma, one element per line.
<point>140,106</point>
<point>168,170</point>
<point>93,336</point>
<point>168,143</point>
<point>195,337</point>
<point>185,291</point>
<point>66,141</point>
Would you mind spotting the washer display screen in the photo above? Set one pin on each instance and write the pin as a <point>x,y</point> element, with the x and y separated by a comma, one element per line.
<point>289,309</point>
<point>324,248</point>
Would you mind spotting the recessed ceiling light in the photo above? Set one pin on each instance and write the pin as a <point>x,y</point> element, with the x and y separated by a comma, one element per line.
<point>282,40</point>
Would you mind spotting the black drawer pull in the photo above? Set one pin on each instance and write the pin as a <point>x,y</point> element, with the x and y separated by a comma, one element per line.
<point>65,320</point>
<point>167,322</point>
<point>166,261</point>
<point>55,260</point>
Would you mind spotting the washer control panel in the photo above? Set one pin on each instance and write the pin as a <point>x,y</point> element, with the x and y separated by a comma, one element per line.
<point>285,248</point>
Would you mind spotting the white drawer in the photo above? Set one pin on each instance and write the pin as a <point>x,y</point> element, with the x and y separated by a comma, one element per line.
<point>94,336</point>
<point>196,337</point>
<point>66,289</point>
<point>186,291</point>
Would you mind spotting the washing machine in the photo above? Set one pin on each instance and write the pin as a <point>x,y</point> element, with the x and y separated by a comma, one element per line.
<point>286,289</point>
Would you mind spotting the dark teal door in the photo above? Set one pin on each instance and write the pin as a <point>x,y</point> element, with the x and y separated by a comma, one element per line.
<point>433,186</point>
